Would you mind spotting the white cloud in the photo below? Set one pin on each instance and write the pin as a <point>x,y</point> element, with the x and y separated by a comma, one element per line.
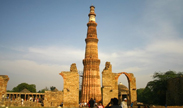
<point>160,30</point>
<point>140,61</point>
<point>32,72</point>
<point>132,69</point>
<point>166,46</point>
<point>25,66</point>
<point>52,53</point>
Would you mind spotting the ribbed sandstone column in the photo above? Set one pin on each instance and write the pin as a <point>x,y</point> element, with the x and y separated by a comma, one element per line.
<point>91,87</point>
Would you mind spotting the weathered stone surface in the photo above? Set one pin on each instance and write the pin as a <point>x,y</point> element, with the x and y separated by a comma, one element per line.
<point>3,84</point>
<point>71,87</point>
<point>110,85</point>
<point>91,87</point>
<point>53,99</point>
<point>174,91</point>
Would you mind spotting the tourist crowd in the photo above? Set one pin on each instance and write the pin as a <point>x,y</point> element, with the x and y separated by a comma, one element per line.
<point>112,104</point>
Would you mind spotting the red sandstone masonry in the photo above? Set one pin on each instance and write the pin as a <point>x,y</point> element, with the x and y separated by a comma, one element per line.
<point>91,87</point>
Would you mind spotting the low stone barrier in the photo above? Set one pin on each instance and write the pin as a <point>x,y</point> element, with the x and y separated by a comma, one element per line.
<point>19,104</point>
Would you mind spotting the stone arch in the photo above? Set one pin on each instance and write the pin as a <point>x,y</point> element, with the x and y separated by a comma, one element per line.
<point>132,86</point>
<point>110,84</point>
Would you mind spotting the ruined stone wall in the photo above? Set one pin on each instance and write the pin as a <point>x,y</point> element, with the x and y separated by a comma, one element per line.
<point>109,84</point>
<point>53,99</point>
<point>133,90</point>
<point>71,87</point>
<point>3,84</point>
<point>174,91</point>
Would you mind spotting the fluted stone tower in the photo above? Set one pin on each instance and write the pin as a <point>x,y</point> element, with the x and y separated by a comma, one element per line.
<point>91,87</point>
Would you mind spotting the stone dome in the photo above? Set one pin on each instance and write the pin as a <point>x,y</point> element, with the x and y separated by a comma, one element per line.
<point>122,87</point>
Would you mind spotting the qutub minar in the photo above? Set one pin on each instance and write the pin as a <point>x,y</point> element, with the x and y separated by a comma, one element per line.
<point>91,87</point>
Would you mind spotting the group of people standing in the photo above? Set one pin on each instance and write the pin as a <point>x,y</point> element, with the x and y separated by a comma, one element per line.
<point>92,104</point>
<point>112,104</point>
<point>115,104</point>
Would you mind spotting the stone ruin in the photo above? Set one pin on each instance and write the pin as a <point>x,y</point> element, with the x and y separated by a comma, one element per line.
<point>71,87</point>
<point>53,98</point>
<point>70,94</point>
<point>110,85</point>
<point>3,84</point>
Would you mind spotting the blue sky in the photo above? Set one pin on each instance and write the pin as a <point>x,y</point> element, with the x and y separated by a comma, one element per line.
<point>41,38</point>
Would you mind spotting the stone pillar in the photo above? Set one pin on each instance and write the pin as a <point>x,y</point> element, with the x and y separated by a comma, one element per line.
<point>16,96</point>
<point>71,87</point>
<point>109,84</point>
<point>3,84</point>
<point>25,97</point>
<point>133,91</point>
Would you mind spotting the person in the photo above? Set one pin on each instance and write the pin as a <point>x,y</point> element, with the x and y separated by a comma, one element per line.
<point>100,105</point>
<point>165,105</point>
<point>115,103</point>
<point>124,103</point>
<point>131,105</point>
<point>22,100</point>
<point>61,105</point>
<point>91,103</point>
<point>85,104</point>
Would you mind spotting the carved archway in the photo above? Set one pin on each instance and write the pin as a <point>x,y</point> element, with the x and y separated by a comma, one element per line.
<point>110,85</point>
<point>132,86</point>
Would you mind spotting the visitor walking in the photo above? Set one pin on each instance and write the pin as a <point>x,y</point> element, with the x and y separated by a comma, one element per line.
<point>115,103</point>
<point>165,105</point>
<point>22,101</point>
<point>100,105</point>
<point>131,105</point>
<point>91,103</point>
<point>124,103</point>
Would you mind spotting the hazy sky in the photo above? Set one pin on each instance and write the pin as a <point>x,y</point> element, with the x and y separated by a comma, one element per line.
<point>41,38</point>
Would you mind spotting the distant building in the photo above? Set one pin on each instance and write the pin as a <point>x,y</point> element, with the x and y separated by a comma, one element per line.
<point>123,92</point>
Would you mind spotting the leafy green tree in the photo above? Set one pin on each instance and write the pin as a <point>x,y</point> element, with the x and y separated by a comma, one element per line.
<point>155,91</point>
<point>8,90</point>
<point>139,94</point>
<point>43,90</point>
<point>52,88</point>
<point>20,87</point>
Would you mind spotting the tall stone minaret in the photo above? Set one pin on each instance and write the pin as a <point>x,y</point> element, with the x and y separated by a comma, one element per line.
<point>91,87</point>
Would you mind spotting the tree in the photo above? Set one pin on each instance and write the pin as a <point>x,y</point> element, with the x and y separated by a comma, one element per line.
<point>52,88</point>
<point>43,90</point>
<point>155,91</point>
<point>20,87</point>
<point>139,94</point>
